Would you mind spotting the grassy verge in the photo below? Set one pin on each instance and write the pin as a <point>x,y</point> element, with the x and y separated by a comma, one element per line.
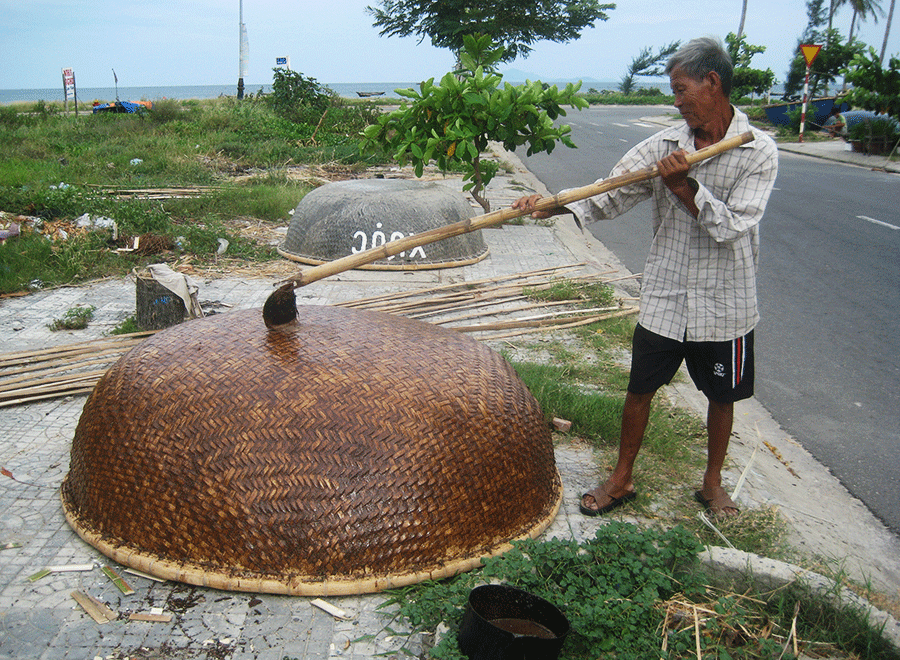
<point>235,159</point>
<point>632,593</point>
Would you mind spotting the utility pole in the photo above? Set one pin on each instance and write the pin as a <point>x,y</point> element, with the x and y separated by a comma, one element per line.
<point>242,65</point>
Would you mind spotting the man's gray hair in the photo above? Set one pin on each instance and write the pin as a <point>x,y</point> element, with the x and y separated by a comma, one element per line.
<point>700,56</point>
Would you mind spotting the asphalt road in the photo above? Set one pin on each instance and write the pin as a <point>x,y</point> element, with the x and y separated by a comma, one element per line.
<point>828,359</point>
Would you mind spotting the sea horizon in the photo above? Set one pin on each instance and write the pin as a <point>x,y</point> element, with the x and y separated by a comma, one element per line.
<point>185,92</point>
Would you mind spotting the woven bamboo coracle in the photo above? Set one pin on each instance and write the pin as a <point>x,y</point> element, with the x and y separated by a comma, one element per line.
<point>351,452</point>
<point>346,216</point>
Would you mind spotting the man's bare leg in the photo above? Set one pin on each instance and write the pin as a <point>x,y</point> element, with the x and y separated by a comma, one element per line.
<point>719,421</point>
<point>635,416</point>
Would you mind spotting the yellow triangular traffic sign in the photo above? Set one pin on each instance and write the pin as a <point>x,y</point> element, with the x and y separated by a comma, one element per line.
<point>809,52</point>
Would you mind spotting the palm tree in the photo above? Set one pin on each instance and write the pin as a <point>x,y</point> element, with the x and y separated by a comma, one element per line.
<point>862,9</point>
<point>887,31</point>
<point>740,31</point>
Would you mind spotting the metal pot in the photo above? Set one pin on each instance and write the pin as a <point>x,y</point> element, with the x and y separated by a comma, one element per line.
<point>504,623</point>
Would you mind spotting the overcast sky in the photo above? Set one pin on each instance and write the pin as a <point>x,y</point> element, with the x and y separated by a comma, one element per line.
<point>195,42</point>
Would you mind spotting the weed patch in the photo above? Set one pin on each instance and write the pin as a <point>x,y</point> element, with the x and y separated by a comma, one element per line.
<point>76,318</point>
<point>633,593</point>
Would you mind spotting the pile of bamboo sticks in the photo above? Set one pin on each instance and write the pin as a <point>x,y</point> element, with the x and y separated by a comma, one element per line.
<point>74,369</point>
<point>27,376</point>
<point>505,297</point>
<point>157,193</point>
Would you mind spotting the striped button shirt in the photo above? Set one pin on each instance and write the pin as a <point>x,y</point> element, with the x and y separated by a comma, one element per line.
<point>699,282</point>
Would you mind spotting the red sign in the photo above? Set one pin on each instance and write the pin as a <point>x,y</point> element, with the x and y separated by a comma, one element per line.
<point>810,51</point>
<point>68,76</point>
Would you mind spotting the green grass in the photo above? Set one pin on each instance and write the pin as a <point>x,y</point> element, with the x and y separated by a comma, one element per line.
<point>179,144</point>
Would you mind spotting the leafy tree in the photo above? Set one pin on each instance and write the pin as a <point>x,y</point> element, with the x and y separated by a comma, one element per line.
<point>832,59</point>
<point>514,24</point>
<point>452,122</point>
<point>874,87</point>
<point>647,63</point>
<point>298,98</point>
<point>746,79</point>
<point>834,56</point>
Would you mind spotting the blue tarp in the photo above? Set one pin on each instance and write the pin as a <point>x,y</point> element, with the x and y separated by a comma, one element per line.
<point>122,107</point>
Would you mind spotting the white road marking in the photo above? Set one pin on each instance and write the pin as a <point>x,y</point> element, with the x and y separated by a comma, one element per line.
<point>621,125</point>
<point>643,125</point>
<point>878,222</point>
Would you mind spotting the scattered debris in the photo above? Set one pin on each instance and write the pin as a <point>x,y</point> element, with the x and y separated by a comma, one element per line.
<point>336,612</point>
<point>117,580</point>
<point>777,454</point>
<point>146,576</point>
<point>562,425</point>
<point>97,610</point>
<point>153,616</point>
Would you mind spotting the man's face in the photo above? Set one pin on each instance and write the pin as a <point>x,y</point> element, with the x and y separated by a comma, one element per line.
<point>693,98</point>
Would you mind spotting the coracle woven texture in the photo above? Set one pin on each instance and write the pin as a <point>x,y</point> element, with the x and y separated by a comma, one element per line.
<point>346,217</point>
<point>351,452</point>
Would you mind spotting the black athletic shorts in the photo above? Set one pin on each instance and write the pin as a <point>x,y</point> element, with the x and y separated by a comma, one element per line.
<point>722,370</point>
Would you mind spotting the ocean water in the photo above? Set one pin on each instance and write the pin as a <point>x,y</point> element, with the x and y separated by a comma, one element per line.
<point>106,94</point>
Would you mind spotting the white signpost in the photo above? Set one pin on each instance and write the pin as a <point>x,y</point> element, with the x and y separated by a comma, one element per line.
<point>68,76</point>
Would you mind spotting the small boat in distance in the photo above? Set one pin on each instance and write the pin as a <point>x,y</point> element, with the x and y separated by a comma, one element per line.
<point>366,95</point>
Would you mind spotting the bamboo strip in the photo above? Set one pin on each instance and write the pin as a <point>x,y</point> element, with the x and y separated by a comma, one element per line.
<point>40,383</point>
<point>464,295</point>
<point>493,312</point>
<point>12,358</point>
<point>517,323</point>
<point>462,304</point>
<point>541,285</point>
<point>19,375</point>
<point>588,321</point>
<point>591,310</point>
<point>98,611</point>
<point>455,285</point>
<point>42,397</point>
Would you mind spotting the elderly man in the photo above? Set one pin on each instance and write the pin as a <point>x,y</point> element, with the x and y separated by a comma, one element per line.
<point>698,294</point>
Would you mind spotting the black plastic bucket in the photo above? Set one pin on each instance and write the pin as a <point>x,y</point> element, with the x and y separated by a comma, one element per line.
<point>504,623</point>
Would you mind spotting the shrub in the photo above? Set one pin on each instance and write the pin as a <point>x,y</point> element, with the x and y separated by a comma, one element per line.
<point>878,129</point>
<point>165,110</point>
<point>298,98</point>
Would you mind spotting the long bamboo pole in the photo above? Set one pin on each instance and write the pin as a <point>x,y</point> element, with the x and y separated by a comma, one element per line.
<point>468,225</point>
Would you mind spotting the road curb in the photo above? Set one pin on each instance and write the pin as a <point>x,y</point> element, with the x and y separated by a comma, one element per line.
<point>738,570</point>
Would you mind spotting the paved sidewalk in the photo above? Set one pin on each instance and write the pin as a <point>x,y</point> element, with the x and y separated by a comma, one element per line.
<point>41,620</point>
<point>839,151</point>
